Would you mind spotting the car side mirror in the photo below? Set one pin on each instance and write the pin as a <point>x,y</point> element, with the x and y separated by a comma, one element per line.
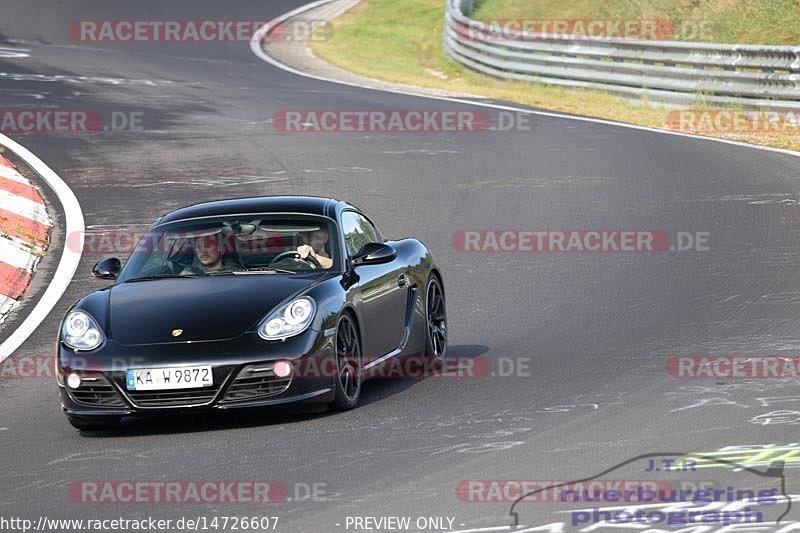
<point>107,268</point>
<point>374,253</point>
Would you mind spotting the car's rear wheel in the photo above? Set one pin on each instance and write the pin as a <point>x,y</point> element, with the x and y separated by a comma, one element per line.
<point>349,374</point>
<point>90,423</point>
<point>436,319</point>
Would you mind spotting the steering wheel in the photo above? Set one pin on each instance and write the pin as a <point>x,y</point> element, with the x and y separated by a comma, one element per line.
<point>294,255</point>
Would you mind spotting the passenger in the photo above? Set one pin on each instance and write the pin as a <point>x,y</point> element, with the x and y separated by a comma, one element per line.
<point>313,244</point>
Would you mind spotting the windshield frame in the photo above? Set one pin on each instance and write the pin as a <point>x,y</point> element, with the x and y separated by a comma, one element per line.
<point>338,266</point>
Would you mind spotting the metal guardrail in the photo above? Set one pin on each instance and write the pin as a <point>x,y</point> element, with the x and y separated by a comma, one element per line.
<point>675,72</point>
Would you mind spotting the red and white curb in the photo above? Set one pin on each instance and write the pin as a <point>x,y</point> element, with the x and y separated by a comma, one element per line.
<point>24,233</point>
<point>28,224</point>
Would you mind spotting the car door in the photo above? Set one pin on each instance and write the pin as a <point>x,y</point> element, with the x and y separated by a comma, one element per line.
<point>384,290</point>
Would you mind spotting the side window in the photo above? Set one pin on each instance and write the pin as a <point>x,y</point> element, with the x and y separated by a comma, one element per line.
<point>358,231</point>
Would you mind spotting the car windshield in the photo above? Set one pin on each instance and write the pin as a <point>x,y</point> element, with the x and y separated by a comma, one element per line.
<point>240,245</point>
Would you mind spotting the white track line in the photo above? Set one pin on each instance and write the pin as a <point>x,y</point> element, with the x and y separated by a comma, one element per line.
<point>70,258</point>
<point>255,46</point>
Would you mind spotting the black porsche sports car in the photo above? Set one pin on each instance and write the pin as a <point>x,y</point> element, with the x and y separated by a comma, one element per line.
<point>246,303</point>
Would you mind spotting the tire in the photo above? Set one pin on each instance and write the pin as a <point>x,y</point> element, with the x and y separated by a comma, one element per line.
<point>349,372</point>
<point>93,423</point>
<point>435,320</point>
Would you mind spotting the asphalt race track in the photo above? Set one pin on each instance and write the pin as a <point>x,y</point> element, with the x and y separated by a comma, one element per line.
<point>587,335</point>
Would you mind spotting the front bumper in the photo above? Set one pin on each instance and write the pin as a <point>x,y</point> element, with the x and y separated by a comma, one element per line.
<point>241,369</point>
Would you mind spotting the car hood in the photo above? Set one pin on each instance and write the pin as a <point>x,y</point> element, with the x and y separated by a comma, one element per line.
<point>205,308</point>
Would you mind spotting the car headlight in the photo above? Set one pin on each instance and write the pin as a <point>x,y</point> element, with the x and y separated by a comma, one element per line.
<point>81,332</point>
<point>288,319</point>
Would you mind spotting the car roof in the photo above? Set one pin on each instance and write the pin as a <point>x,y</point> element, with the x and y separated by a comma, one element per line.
<point>312,205</point>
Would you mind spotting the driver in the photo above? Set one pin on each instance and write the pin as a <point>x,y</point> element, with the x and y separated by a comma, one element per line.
<point>312,244</point>
<point>208,255</point>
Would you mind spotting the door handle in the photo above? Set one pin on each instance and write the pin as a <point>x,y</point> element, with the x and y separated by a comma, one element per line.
<point>402,280</point>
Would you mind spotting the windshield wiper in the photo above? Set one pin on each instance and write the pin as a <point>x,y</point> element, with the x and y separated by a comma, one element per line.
<point>160,276</point>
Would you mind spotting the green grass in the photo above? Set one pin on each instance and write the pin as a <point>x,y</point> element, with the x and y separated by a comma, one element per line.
<point>400,41</point>
<point>383,35</point>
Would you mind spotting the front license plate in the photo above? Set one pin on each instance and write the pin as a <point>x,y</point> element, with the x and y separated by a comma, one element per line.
<point>179,377</point>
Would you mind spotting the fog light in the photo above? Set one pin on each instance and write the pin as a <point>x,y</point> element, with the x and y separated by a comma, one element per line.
<point>74,380</point>
<point>282,369</point>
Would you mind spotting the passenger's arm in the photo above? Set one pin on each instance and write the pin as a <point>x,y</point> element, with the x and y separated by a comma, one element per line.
<point>324,262</point>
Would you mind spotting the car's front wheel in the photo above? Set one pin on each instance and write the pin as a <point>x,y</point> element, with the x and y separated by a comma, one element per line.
<point>436,320</point>
<point>93,423</point>
<point>349,375</point>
